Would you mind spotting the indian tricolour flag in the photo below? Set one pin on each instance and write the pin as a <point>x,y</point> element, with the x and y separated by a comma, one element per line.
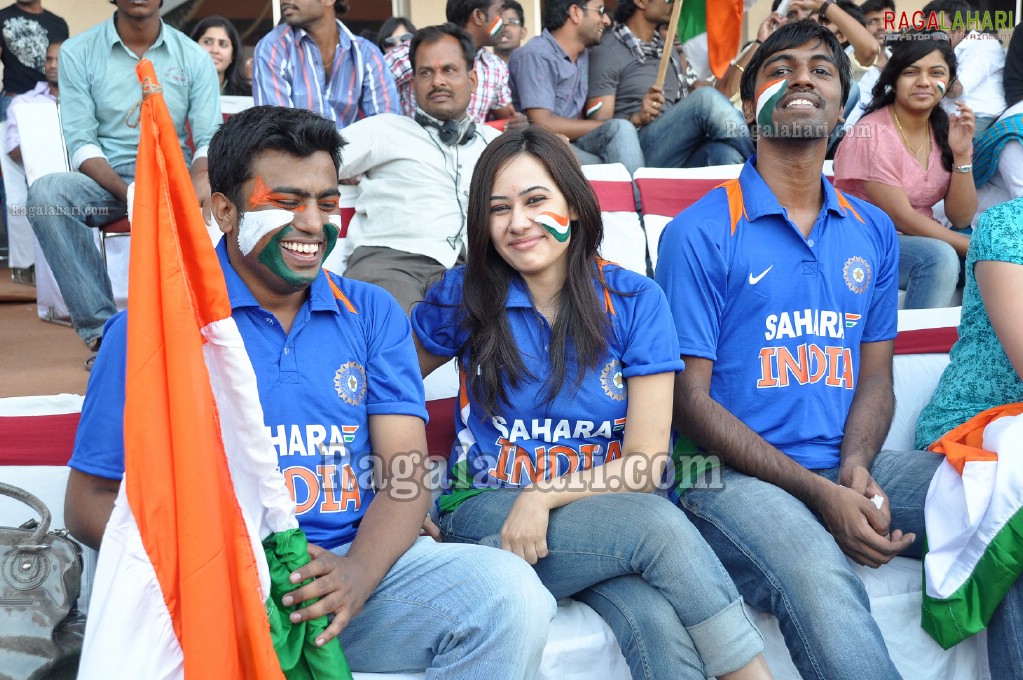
<point>974,516</point>
<point>721,20</point>
<point>183,585</point>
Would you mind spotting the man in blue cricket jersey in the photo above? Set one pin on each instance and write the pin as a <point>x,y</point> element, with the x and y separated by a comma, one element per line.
<point>785,296</point>
<point>341,393</point>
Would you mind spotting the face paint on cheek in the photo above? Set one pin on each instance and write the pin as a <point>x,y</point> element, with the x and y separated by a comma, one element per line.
<point>767,101</point>
<point>941,88</point>
<point>558,225</point>
<point>273,259</point>
<point>254,225</point>
<point>496,26</point>
<point>331,230</point>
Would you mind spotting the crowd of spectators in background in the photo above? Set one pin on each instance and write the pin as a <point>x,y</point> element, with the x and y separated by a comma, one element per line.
<point>588,75</point>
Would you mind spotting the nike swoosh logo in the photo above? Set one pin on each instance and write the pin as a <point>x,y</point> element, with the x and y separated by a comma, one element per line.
<point>754,280</point>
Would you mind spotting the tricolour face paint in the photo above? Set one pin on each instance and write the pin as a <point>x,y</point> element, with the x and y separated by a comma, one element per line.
<point>557,225</point>
<point>263,196</point>
<point>256,224</point>
<point>496,26</point>
<point>941,88</point>
<point>767,101</point>
<point>273,258</point>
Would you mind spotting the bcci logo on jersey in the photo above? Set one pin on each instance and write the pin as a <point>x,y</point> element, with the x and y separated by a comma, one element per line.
<point>612,381</point>
<point>350,383</point>
<point>857,274</point>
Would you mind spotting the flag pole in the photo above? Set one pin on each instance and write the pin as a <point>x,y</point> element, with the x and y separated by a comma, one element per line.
<point>669,42</point>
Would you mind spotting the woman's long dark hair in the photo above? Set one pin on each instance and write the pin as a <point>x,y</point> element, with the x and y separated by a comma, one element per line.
<point>235,83</point>
<point>581,330</point>
<point>907,50</point>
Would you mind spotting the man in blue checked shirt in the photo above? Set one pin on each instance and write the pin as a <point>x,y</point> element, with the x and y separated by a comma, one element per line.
<point>314,62</point>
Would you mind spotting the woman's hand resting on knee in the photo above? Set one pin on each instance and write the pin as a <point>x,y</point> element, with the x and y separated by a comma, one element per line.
<point>525,530</point>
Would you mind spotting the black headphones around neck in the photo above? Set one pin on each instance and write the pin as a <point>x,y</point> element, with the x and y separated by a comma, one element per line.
<point>449,132</point>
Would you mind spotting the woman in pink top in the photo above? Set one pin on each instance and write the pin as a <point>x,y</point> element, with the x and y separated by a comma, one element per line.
<point>905,155</point>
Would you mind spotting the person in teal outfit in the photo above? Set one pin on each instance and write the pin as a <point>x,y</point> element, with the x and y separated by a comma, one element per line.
<point>987,360</point>
<point>984,372</point>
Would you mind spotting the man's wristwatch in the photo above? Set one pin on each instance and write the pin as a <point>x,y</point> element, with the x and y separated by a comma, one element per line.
<point>824,8</point>
<point>964,169</point>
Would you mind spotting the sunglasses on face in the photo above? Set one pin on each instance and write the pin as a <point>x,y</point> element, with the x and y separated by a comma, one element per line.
<point>392,41</point>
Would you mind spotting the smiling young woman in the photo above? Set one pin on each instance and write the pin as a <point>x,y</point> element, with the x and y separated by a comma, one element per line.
<point>220,38</point>
<point>568,363</point>
<point>905,155</point>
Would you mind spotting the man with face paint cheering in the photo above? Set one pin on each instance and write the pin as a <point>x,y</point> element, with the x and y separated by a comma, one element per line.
<point>784,293</point>
<point>491,95</point>
<point>409,224</point>
<point>99,103</point>
<point>314,62</point>
<point>343,403</point>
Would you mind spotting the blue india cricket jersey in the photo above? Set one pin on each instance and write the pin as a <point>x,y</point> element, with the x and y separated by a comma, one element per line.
<point>781,316</point>
<point>349,355</point>
<point>531,437</point>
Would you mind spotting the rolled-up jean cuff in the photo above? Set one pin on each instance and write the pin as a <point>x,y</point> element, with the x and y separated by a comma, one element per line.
<point>726,641</point>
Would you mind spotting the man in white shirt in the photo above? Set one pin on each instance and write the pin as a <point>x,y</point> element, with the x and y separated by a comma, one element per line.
<point>409,223</point>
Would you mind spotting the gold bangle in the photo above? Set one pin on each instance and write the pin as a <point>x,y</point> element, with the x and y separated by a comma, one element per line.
<point>741,69</point>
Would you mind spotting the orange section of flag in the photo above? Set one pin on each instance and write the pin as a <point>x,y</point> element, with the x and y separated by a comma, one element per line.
<point>176,473</point>
<point>966,442</point>
<point>724,30</point>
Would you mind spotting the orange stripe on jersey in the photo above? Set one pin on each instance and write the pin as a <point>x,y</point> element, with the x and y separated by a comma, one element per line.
<point>844,202</point>
<point>736,210</point>
<point>341,296</point>
<point>608,305</point>
<point>463,392</point>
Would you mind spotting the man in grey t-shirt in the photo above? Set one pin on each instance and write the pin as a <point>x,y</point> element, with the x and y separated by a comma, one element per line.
<point>678,126</point>
<point>549,80</point>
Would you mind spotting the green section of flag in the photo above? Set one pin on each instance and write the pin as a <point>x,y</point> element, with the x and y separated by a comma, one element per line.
<point>461,487</point>
<point>967,611</point>
<point>693,20</point>
<point>691,465</point>
<point>295,643</point>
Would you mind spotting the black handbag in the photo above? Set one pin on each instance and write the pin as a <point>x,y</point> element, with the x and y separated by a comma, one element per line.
<point>41,630</point>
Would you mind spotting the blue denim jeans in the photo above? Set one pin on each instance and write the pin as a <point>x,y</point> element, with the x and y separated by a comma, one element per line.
<point>63,209</point>
<point>928,271</point>
<point>457,611</point>
<point>785,562</point>
<point>644,568</point>
<point>616,141</point>
<point>704,116</point>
